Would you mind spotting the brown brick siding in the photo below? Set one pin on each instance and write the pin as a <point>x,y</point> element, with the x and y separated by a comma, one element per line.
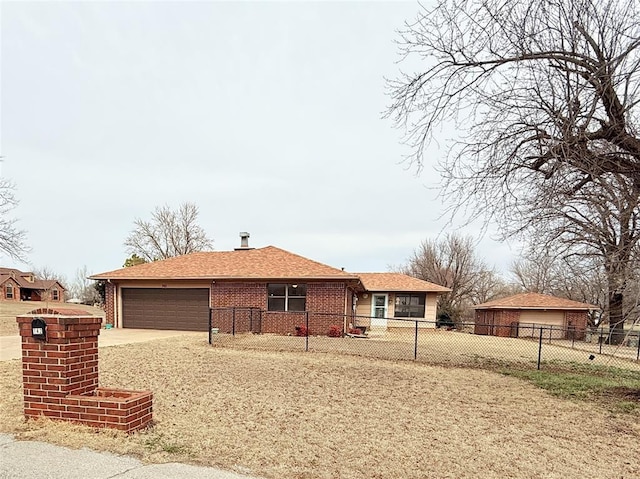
<point>325,303</point>
<point>36,295</point>
<point>577,320</point>
<point>16,291</point>
<point>110,303</point>
<point>500,322</point>
<point>242,295</point>
<point>326,297</point>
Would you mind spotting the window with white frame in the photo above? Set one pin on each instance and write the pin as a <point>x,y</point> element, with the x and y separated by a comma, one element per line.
<point>8,291</point>
<point>409,305</point>
<point>286,297</point>
<point>55,295</point>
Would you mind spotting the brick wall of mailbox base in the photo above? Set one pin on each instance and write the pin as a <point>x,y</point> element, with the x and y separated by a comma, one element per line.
<point>60,375</point>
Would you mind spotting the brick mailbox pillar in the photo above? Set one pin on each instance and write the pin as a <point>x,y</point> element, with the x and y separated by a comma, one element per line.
<point>60,373</point>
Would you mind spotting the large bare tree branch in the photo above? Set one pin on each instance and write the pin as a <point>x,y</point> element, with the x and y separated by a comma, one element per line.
<point>12,239</point>
<point>545,98</point>
<point>169,233</point>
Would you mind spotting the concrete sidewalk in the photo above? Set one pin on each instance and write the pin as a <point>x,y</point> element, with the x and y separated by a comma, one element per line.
<point>39,460</point>
<point>10,346</point>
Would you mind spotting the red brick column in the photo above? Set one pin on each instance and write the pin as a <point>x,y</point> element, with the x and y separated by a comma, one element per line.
<point>67,363</point>
<point>60,374</point>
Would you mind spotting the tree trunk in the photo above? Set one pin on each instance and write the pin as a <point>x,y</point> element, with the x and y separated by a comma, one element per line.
<point>616,317</point>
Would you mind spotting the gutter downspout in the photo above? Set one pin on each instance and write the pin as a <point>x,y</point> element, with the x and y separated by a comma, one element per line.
<point>346,305</point>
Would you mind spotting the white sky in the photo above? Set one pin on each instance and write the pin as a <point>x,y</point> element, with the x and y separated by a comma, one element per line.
<point>265,115</point>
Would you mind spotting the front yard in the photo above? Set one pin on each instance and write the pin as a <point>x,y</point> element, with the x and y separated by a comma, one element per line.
<point>10,309</point>
<point>315,415</point>
<point>446,348</point>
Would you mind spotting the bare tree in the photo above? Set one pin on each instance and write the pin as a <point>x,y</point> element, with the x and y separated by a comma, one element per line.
<point>46,273</point>
<point>576,278</point>
<point>631,304</point>
<point>452,262</point>
<point>546,99</point>
<point>535,276</point>
<point>169,233</point>
<point>488,285</point>
<point>12,239</point>
<point>601,224</point>
<point>83,288</point>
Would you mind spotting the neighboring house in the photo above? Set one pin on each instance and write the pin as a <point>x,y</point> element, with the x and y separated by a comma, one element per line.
<point>16,285</point>
<point>394,295</point>
<point>522,315</point>
<point>267,286</point>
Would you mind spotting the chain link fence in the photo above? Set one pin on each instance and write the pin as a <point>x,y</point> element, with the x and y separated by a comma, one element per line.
<point>528,346</point>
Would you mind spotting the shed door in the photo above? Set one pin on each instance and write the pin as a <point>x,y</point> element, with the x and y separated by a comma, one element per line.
<point>165,308</point>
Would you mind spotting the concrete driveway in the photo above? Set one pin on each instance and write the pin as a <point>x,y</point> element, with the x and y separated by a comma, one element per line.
<point>10,345</point>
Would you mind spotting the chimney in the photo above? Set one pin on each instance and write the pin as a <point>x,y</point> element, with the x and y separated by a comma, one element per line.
<point>244,241</point>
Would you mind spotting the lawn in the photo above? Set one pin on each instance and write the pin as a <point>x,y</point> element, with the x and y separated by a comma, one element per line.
<point>317,415</point>
<point>445,348</point>
<point>10,309</point>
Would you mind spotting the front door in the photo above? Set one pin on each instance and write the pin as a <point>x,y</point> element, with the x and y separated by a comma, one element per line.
<point>379,304</point>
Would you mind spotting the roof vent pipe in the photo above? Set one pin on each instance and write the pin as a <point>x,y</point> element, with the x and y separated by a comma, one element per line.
<point>244,241</point>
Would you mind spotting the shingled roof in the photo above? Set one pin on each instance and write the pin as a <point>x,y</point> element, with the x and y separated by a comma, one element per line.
<point>260,263</point>
<point>535,301</point>
<point>20,278</point>
<point>398,282</point>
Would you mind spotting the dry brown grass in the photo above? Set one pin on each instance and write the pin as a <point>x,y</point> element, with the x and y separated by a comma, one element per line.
<point>314,415</point>
<point>10,309</point>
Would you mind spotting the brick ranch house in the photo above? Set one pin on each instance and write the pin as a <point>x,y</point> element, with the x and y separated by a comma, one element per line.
<point>269,287</point>
<point>523,314</point>
<point>16,285</point>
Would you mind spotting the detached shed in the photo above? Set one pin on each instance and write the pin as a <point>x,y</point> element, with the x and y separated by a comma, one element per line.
<point>522,314</point>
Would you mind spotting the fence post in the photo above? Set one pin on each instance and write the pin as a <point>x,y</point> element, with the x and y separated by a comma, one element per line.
<point>415,343</point>
<point>210,313</point>
<point>250,320</point>
<point>306,336</point>
<point>600,339</point>
<point>233,321</point>
<point>550,333</point>
<point>540,348</point>
<point>638,352</point>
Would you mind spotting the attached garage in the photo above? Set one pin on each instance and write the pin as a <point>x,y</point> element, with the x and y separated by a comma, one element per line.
<point>175,293</point>
<point>185,309</point>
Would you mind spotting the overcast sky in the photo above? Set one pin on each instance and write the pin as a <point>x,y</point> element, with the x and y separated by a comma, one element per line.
<point>267,116</point>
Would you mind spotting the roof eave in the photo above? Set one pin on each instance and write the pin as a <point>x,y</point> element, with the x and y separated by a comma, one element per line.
<point>540,308</point>
<point>224,278</point>
<point>405,290</point>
